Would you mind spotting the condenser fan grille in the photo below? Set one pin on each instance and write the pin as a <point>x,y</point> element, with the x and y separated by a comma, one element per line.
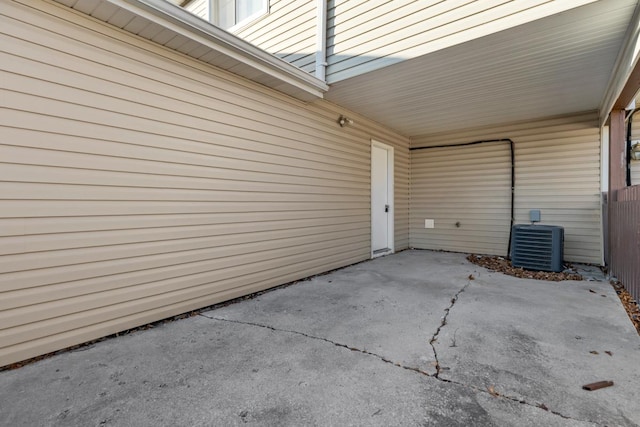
<point>537,247</point>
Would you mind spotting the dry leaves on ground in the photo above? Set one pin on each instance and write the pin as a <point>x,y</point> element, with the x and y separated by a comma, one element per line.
<point>630,305</point>
<point>502,265</point>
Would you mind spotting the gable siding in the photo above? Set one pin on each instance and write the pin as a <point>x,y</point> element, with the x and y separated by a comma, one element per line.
<point>137,183</point>
<point>367,35</point>
<point>557,170</point>
<point>200,8</point>
<point>288,31</point>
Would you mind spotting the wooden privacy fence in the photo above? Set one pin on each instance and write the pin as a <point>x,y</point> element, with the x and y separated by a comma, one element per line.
<point>624,235</point>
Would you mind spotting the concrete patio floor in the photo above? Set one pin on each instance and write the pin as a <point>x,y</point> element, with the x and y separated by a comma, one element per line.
<point>416,338</point>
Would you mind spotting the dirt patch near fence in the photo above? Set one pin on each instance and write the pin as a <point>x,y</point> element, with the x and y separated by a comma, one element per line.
<point>629,303</point>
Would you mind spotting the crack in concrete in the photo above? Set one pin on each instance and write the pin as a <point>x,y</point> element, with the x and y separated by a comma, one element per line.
<point>337,344</point>
<point>511,398</point>
<point>493,393</point>
<point>399,365</point>
<point>434,338</point>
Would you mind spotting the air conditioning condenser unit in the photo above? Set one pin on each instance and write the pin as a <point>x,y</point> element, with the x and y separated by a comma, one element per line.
<point>537,247</point>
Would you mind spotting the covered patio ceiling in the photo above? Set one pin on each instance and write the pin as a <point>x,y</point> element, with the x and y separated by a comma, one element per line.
<point>553,66</point>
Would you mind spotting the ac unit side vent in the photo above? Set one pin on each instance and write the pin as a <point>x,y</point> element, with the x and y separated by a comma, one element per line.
<point>537,247</point>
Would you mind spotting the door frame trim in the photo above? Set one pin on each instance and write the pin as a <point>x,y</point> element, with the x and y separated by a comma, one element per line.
<point>390,198</point>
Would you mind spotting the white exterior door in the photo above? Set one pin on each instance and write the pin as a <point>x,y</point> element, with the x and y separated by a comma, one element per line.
<point>381,198</point>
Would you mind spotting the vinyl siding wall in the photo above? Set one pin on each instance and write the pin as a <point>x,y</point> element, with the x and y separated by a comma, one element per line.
<point>367,35</point>
<point>137,183</point>
<point>200,8</point>
<point>635,172</point>
<point>288,31</point>
<point>467,192</point>
<point>557,170</point>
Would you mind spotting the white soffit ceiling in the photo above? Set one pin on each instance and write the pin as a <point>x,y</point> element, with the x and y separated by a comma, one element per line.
<point>556,65</point>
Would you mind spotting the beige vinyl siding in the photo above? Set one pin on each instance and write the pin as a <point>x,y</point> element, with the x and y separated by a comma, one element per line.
<point>557,170</point>
<point>199,8</point>
<point>137,183</point>
<point>466,191</point>
<point>367,35</point>
<point>401,194</point>
<point>288,31</point>
<point>635,172</point>
<point>635,136</point>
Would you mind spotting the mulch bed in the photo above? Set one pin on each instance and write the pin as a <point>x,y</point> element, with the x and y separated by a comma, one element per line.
<point>502,265</point>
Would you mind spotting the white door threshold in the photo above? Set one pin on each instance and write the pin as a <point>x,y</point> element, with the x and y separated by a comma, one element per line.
<point>381,252</point>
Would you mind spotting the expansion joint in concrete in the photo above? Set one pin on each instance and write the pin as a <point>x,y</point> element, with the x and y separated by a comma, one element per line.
<point>443,322</point>
<point>337,344</point>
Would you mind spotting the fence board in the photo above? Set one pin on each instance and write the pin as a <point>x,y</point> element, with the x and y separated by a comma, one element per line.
<point>625,238</point>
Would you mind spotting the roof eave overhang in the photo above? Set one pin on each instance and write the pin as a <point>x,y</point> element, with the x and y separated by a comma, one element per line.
<point>246,59</point>
<point>625,78</point>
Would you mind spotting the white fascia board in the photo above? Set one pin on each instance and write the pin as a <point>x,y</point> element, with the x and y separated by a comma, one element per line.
<point>188,25</point>
<point>624,65</point>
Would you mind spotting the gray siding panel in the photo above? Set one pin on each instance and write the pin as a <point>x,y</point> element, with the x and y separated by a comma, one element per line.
<point>557,164</point>
<point>138,183</point>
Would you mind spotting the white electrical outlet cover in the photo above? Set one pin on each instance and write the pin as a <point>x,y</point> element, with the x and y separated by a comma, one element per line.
<point>429,223</point>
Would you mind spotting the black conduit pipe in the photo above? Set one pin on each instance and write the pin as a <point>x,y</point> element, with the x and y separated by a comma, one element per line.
<point>513,173</point>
